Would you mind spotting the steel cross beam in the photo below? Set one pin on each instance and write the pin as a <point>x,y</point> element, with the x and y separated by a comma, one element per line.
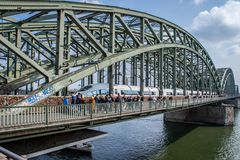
<point>110,31</point>
<point>30,75</point>
<point>16,50</point>
<point>128,29</point>
<point>70,78</point>
<point>89,35</point>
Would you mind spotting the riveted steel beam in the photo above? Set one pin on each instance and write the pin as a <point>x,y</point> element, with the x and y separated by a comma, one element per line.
<point>22,55</point>
<point>87,33</point>
<point>152,31</point>
<point>128,36</point>
<point>70,78</point>
<point>128,29</point>
<point>32,17</point>
<point>36,39</point>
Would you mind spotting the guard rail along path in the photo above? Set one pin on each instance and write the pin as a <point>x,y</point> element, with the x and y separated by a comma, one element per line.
<point>42,116</point>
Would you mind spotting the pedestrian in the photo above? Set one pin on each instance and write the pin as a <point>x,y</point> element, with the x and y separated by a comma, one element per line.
<point>92,100</point>
<point>78,101</point>
<point>65,101</point>
<point>124,98</point>
<point>118,98</point>
<point>82,99</point>
<point>96,98</point>
<point>74,98</point>
<point>78,98</point>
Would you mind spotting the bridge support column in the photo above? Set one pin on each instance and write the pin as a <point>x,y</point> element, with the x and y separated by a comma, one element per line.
<point>218,115</point>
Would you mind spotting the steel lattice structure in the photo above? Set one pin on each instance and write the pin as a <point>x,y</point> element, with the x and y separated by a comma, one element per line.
<point>42,41</point>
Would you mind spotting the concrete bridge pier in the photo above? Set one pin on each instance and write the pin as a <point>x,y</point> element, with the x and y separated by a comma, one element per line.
<point>234,102</point>
<point>222,114</point>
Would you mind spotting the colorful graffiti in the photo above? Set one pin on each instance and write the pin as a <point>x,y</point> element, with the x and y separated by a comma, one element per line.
<point>33,99</point>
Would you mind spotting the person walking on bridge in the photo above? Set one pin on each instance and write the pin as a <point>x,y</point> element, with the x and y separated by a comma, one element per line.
<point>65,101</point>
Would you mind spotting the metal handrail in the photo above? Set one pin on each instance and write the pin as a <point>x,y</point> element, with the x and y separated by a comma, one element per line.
<point>10,154</point>
<point>46,115</point>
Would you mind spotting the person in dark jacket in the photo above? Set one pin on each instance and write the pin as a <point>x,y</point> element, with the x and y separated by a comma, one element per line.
<point>78,99</point>
<point>74,98</point>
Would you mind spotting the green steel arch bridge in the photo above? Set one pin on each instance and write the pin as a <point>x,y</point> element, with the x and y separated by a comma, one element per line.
<point>42,41</point>
<point>47,46</point>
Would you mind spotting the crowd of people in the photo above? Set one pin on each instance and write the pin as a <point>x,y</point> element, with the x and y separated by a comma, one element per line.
<point>109,98</point>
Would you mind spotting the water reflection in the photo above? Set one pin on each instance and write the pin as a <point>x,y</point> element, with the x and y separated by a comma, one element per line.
<point>229,148</point>
<point>152,138</point>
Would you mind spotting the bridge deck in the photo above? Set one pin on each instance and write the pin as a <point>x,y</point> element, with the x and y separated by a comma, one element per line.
<point>38,118</point>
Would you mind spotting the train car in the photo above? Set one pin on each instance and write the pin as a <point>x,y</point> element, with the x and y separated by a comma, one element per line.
<point>170,92</point>
<point>128,90</point>
<point>103,89</point>
<point>94,89</point>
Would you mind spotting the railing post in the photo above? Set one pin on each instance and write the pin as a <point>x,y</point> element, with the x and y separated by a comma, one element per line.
<point>141,105</point>
<point>120,107</point>
<point>46,115</point>
<point>84,109</point>
<point>107,107</point>
<point>91,110</point>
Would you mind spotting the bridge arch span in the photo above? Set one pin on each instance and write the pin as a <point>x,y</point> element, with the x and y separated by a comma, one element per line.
<point>47,39</point>
<point>227,81</point>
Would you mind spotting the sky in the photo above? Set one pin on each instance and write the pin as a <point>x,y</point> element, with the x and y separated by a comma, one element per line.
<point>215,23</point>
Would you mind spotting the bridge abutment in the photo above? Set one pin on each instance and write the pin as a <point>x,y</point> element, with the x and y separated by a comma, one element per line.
<point>218,115</point>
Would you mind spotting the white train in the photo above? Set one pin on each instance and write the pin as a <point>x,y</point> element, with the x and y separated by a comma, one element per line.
<point>103,89</point>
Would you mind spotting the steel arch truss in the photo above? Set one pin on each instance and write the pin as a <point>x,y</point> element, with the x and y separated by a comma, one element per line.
<point>227,81</point>
<point>42,41</point>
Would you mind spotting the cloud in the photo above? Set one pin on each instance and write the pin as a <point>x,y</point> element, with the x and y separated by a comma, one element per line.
<point>198,2</point>
<point>220,25</point>
<point>88,1</point>
<point>219,31</point>
<point>92,1</point>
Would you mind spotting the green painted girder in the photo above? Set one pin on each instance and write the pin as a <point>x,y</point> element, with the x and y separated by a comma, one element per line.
<point>17,51</point>
<point>31,75</point>
<point>64,81</point>
<point>90,19</point>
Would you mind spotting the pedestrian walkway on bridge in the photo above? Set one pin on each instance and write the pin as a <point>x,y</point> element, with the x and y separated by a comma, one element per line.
<point>24,117</point>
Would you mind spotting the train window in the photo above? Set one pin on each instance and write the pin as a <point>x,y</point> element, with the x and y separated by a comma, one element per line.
<point>116,91</point>
<point>94,92</point>
<point>127,92</point>
<point>103,91</point>
<point>85,88</point>
<point>147,93</point>
<point>89,94</point>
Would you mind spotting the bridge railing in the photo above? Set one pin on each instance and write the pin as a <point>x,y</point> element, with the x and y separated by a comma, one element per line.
<point>45,115</point>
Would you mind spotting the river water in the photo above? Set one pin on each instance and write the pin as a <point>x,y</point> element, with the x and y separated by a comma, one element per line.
<point>153,139</point>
